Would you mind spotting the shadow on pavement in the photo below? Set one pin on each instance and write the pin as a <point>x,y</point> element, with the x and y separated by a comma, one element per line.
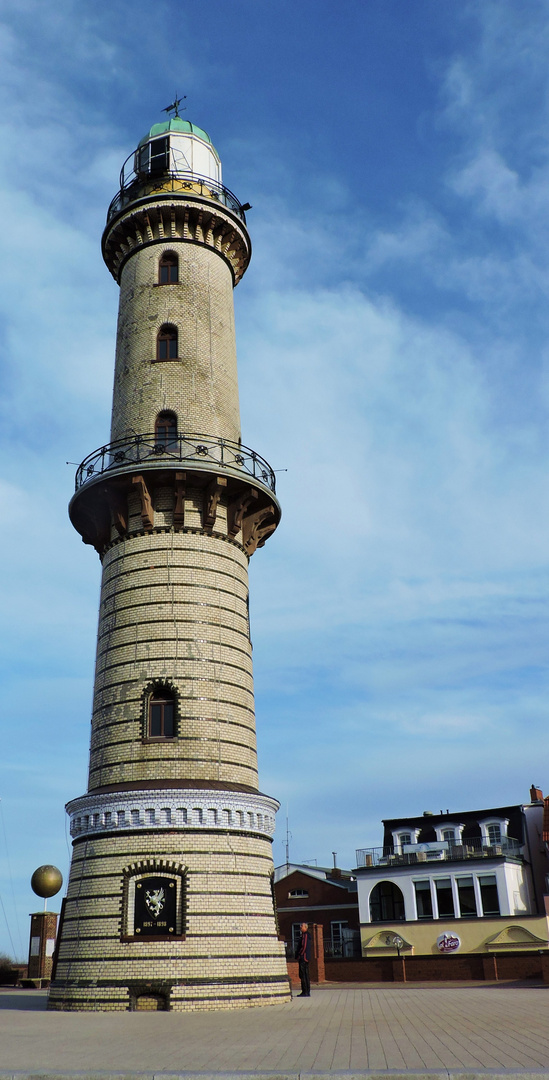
<point>30,1000</point>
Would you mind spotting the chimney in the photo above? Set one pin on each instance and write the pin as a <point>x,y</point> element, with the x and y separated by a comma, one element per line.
<point>536,794</point>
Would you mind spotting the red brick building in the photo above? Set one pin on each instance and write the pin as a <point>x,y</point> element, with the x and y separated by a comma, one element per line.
<point>313,894</point>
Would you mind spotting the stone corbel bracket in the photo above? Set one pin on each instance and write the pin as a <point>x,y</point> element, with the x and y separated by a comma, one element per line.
<point>100,511</point>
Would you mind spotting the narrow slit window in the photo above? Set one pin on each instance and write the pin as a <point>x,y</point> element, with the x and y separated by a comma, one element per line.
<point>168,269</point>
<point>166,343</point>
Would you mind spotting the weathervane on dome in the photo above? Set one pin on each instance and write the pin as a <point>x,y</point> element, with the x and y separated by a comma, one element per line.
<point>174,107</point>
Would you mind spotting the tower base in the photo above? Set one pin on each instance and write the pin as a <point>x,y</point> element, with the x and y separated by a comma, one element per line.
<point>171,918</point>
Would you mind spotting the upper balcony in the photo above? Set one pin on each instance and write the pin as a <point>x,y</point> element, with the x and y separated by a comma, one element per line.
<point>141,185</point>
<point>438,851</point>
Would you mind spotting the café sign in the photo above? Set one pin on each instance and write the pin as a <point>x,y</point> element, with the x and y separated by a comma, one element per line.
<point>448,943</point>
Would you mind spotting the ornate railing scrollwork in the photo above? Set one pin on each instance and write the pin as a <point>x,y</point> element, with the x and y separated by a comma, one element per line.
<point>179,449</point>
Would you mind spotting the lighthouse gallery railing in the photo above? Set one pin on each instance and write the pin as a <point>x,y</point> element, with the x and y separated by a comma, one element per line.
<point>184,449</point>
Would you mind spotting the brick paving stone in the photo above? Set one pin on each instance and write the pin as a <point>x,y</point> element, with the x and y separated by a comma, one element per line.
<point>448,1031</point>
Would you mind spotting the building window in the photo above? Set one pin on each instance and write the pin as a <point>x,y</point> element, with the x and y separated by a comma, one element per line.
<point>168,269</point>
<point>494,834</point>
<point>296,936</point>
<point>489,894</point>
<point>424,902</point>
<point>159,150</point>
<point>161,724</point>
<point>165,430</point>
<point>166,343</point>
<point>466,893</point>
<point>386,903</point>
<point>405,838</point>
<point>297,892</point>
<point>337,927</point>
<point>445,898</point>
<point>449,835</point>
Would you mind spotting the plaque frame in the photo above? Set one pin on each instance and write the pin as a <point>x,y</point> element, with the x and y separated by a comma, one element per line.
<point>175,876</point>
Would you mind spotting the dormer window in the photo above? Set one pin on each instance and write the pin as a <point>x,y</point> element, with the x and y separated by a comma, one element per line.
<point>494,833</point>
<point>166,343</point>
<point>168,269</point>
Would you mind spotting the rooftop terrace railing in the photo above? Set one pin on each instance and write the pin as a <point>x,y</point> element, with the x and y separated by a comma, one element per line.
<point>438,851</point>
<point>152,450</point>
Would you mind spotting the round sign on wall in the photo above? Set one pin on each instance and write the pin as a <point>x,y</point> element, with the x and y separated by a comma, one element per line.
<point>448,943</point>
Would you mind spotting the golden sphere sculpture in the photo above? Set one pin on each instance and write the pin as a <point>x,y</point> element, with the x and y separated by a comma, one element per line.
<point>46,881</point>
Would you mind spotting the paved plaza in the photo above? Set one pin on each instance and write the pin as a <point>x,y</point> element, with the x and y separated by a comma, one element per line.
<point>425,1028</point>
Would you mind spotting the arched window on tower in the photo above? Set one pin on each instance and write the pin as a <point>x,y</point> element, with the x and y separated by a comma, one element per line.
<point>161,714</point>
<point>165,430</point>
<point>166,342</point>
<point>168,269</point>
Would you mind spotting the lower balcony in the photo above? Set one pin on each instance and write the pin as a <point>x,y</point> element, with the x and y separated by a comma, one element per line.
<point>164,481</point>
<point>203,452</point>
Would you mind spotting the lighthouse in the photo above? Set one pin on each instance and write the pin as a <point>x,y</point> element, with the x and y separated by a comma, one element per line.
<point>169,902</point>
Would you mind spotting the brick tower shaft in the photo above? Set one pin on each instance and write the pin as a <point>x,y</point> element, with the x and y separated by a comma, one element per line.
<point>169,902</point>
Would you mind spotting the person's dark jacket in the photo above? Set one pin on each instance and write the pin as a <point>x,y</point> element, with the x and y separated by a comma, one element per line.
<point>303,951</point>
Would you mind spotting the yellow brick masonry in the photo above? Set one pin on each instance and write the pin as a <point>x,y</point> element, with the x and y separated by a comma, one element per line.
<point>174,607</point>
<point>230,955</point>
<point>201,385</point>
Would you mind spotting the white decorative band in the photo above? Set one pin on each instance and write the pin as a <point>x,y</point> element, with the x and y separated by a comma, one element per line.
<point>174,808</point>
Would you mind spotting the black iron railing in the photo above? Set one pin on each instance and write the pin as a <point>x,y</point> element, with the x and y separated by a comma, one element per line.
<point>438,851</point>
<point>138,186</point>
<point>189,450</point>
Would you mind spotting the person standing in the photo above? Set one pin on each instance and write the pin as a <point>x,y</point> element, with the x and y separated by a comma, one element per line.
<point>303,955</point>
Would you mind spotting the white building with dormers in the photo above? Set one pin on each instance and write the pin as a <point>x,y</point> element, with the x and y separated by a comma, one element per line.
<point>473,881</point>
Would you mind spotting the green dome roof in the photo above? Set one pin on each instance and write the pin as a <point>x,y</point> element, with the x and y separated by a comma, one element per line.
<point>175,123</point>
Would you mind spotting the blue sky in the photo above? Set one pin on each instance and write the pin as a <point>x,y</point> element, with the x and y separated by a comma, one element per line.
<point>392,335</point>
